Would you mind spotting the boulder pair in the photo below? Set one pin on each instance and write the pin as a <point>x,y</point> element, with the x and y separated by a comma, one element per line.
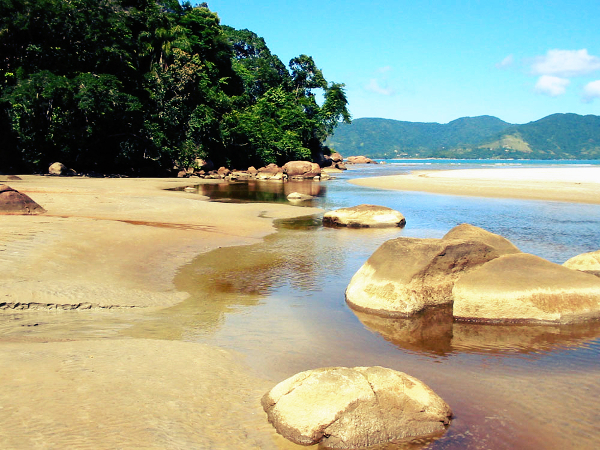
<point>483,275</point>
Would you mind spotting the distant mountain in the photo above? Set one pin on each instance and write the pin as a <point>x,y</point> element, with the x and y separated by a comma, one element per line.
<point>559,136</point>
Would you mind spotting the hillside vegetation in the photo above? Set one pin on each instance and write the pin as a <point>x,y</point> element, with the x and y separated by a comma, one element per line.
<point>145,86</point>
<point>559,136</point>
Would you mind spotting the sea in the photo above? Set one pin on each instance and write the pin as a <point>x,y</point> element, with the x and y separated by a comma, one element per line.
<point>281,305</point>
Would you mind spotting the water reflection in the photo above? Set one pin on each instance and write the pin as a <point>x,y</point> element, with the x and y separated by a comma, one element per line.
<point>262,191</point>
<point>281,304</point>
<point>435,332</point>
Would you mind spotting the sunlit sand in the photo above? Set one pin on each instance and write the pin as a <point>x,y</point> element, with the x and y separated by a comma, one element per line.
<point>577,184</point>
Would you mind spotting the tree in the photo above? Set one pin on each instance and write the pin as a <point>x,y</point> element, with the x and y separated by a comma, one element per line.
<point>306,76</point>
<point>127,85</point>
<point>335,108</point>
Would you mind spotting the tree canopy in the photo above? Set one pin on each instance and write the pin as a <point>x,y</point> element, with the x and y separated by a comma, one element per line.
<point>142,87</point>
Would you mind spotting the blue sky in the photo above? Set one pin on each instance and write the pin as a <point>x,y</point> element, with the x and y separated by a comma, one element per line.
<point>436,61</point>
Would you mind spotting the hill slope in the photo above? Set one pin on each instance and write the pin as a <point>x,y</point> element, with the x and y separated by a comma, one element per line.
<point>559,136</point>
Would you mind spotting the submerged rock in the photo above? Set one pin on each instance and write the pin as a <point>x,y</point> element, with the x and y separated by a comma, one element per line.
<point>524,287</point>
<point>364,216</point>
<point>353,408</point>
<point>298,197</point>
<point>14,202</point>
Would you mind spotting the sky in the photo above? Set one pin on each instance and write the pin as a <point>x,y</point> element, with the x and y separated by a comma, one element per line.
<point>436,61</point>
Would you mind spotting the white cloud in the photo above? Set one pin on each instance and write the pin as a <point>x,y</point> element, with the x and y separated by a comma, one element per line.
<point>384,69</point>
<point>565,63</point>
<point>506,62</point>
<point>374,86</point>
<point>591,91</point>
<point>552,86</point>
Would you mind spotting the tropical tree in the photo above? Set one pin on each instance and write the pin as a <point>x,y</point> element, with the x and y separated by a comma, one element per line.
<point>137,85</point>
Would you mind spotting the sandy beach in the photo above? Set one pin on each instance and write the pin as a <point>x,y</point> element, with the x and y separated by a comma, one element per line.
<point>101,296</point>
<point>577,184</point>
<point>104,254</point>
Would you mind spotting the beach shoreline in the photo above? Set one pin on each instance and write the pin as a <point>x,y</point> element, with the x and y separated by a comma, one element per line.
<point>572,184</point>
<point>73,281</point>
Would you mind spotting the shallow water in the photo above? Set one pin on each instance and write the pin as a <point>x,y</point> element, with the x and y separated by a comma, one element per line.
<point>282,304</point>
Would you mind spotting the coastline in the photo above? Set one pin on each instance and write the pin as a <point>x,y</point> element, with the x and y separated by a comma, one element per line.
<point>577,184</point>
<point>73,280</point>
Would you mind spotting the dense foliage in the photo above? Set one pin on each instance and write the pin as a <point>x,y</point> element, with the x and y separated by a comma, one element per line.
<point>141,86</point>
<point>559,136</point>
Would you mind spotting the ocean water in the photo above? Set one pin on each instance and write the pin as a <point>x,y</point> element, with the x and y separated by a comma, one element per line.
<point>281,304</point>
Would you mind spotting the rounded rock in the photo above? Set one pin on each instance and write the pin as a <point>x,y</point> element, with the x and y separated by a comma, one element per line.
<point>58,169</point>
<point>301,169</point>
<point>364,216</point>
<point>407,275</point>
<point>526,288</point>
<point>357,407</point>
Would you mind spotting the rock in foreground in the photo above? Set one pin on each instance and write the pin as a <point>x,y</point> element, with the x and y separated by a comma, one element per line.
<point>364,216</point>
<point>14,202</point>
<point>354,407</point>
<point>524,287</point>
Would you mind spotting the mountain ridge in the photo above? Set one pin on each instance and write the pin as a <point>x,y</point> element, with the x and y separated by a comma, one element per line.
<point>557,136</point>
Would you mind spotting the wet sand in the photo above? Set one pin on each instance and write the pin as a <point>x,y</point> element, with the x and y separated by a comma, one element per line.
<point>130,373</point>
<point>577,184</point>
<point>106,247</point>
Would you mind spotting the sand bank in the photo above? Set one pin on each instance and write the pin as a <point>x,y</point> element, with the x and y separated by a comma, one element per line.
<point>109,248</point>
<point>577,184</point>
<point>116,242</point>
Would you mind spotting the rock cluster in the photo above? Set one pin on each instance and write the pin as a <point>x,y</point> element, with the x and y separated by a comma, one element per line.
<point>293,170</point>
<point>483,275</point>
<point>299,170</point>
<point>358,407</point>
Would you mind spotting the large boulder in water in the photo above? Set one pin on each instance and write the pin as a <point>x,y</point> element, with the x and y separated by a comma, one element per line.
<point>353,408</point>
<point>407,275</point>
<point>14,202</point>
<point>586,262</point>
<point>522,287</point>
<point>364,216</point>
